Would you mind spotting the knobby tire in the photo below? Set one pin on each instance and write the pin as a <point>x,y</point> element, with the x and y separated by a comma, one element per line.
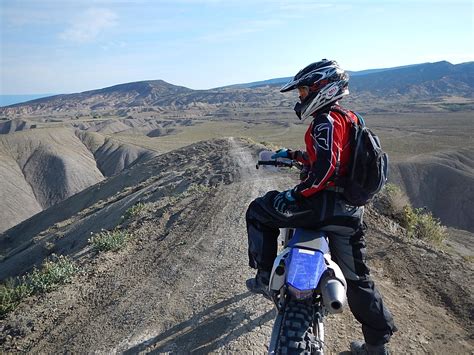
<point>296,332</point>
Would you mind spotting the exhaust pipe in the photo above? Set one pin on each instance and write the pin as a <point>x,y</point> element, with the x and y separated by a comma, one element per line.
<point>334,294</point>
<point>333,287</point>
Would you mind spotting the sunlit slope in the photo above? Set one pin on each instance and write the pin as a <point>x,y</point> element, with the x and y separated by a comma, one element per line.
<point>442,182</point>
<point>41,167</point>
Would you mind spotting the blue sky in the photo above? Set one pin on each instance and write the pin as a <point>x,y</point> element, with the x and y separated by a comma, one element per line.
<point>53,46</point>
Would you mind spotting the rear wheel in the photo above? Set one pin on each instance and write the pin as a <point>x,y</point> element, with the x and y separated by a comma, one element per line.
<point>296,331</point>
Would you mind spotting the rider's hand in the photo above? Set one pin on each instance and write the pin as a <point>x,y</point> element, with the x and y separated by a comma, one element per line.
<point>282,153</point>
<point>284,202</point>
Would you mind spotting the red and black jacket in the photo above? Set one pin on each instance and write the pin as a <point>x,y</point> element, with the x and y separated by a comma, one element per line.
<point>327,150</point>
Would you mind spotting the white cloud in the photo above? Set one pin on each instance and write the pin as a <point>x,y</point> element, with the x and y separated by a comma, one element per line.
<point>89,25</point>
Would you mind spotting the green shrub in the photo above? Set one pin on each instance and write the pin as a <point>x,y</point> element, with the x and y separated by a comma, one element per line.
<point>11,295</point>
<point>421,224</point>
<point>134,210</point>
<point>392,202</point>
<point>51,274</point>
<point>196,189</point>
<point>110,240</point>
<point>418,222</point>
<point>408,220</point>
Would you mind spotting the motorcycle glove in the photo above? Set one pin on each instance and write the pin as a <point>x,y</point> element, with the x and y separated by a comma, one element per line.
<point>284,202</point>
<point>282,153</point>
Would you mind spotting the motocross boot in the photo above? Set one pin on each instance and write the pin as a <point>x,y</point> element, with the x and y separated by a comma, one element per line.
<point>361,348</point>
<point>259,284</point>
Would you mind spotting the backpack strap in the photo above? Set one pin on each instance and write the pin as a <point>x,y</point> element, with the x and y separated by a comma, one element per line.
<point>335,176</point>
<point>360,119</point>
<point>346,114</point>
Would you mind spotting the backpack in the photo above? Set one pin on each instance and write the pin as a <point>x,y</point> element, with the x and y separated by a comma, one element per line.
<point>368,167</point>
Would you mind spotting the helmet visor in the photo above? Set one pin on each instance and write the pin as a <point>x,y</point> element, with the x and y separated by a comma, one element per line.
<point>291,85</point>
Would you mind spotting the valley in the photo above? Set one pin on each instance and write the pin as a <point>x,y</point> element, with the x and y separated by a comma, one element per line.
<point>73,166</point>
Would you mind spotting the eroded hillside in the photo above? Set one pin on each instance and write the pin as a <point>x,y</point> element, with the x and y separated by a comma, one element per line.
<point>179,285</point>
<point>441,182</point>
<point>42,167</point>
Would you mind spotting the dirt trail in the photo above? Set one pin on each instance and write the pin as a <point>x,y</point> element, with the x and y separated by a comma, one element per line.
<point>180,286</point>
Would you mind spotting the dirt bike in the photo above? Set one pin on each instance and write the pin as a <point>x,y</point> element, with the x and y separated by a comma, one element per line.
<point>305,284</point>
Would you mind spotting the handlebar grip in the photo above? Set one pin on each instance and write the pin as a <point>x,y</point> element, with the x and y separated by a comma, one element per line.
<point>275,163</point>
<point>268,162</point>
<point>279,163</point>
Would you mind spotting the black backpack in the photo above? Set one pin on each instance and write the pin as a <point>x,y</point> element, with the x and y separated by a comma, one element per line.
<point>368,167</point>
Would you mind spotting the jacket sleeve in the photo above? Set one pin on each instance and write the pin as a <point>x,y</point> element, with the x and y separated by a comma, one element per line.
<point>325,153</point>
<point>301,157</point>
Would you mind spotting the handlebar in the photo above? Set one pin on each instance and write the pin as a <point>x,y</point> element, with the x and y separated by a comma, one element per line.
<point>279,163</point>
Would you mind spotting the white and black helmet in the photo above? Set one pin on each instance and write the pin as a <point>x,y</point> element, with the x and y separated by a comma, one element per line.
<point>327,83</point>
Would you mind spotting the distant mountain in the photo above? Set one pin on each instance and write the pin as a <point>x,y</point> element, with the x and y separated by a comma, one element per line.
<point>405,84</point>
<point>277,81</point>
<point>420,81</point>
<point>142,93</point>
<point>6,100</point>
<point>372,71</point>
<point>156,94</point>
<point>282,81</point>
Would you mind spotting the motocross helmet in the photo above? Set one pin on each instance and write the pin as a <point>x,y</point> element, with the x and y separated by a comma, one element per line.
<point>326,82</point>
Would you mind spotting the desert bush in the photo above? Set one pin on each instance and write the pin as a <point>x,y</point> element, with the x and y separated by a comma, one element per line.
<point>420,223</point>
<point>11,295</point>
<point>110,240</point>
<point>391,201</point>
<point>52,273</point>
<point>267,145</point>
<point>196,189</point>
<point>134,210</point>
<point>270,146</point>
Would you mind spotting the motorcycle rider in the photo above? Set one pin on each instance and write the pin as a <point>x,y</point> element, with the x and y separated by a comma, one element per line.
<point>317,201</point>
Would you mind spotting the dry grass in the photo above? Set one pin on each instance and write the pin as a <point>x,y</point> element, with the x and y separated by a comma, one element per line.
<point>421,224</point>
<point>391,201</point>
<point>418,222</point>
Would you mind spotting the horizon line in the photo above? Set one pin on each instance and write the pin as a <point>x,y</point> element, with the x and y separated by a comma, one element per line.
<point>222,86</point>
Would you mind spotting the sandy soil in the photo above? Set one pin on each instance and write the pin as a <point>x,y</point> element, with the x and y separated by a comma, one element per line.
<point>180,285</point>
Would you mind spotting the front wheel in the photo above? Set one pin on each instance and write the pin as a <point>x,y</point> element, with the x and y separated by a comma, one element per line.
<point>293,330</point>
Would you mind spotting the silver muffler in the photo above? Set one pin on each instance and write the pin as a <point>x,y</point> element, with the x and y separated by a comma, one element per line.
<point>333,288</point>
<point>334,294</point>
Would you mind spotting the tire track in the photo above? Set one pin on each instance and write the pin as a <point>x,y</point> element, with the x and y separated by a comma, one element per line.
<point>222,315</point>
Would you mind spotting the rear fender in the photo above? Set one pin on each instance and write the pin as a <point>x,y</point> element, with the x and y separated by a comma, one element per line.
<point>304,270</point>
